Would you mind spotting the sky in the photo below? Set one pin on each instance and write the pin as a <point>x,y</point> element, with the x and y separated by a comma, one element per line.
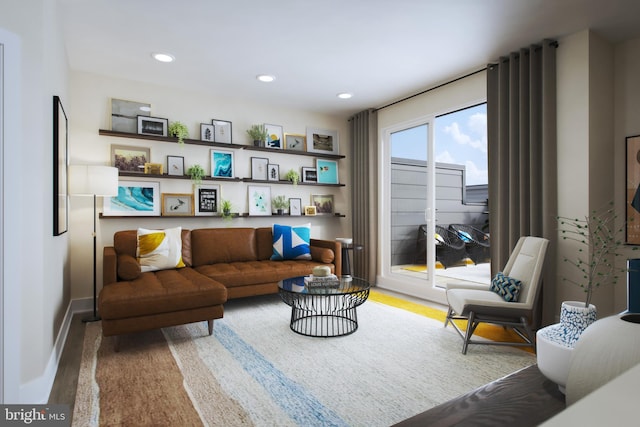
<point>460,138</point>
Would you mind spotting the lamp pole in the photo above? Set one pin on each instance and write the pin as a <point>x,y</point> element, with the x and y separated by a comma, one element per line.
<point>94,317</point>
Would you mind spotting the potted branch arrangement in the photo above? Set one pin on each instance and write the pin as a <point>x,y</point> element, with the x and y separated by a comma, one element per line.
<point>258,134</point>
<point>280,203</point>
<point>179,130</point>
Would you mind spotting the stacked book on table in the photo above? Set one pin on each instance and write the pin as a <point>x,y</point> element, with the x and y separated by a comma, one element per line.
<point>330,281</point>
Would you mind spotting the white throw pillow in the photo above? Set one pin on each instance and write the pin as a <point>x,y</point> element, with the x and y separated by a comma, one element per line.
<point>159,249</point>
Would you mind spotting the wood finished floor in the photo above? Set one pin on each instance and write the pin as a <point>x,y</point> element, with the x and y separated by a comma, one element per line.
<point>66,380</point>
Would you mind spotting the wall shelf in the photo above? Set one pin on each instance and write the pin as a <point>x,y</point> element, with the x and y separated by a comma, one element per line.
<point>294,152</point>
<point>106,132</point>
<point>165,176</point>
<point>286,182</point>
<point>234,215</point>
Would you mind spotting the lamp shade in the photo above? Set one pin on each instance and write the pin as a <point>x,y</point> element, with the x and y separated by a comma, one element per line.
<point>93,180</point>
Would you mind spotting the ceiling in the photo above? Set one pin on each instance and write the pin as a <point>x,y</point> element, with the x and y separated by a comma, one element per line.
<point>378,50</point>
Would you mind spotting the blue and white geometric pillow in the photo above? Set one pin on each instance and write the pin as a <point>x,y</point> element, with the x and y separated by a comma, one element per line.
<point>507,287</point>
<point>291,242</point>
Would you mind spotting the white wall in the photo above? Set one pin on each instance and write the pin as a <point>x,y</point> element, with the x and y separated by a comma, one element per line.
<point>91,102</point>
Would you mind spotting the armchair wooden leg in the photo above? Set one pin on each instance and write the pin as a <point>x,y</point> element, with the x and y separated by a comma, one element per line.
<point>470,329</point>
<point>210,323</point>
<point>448,318</point>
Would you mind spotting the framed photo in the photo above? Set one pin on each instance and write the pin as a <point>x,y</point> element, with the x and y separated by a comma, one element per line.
<point>273,173</point>
<point>322,141</point>
<point>152,126</point>
<point>221,164</point>
<point>175,165</point>
<point>323,203</point>
<point>295,207</point>
<point>310,211</point>
<point>259,168</point>
<point>259,200</point>
<point>295,142</point>
<point>124,114</point>
<point>207,199</point>
<point>633,191</point>
<point>309,174</point>
<point>60,169</point>
<point>130,159</point>
<point>222,131</point>
<point>153,168</point>
<point>207,132</point>
<point>274,136</point>
<point>135,198</point>
<point>177,204</point>
<point>327,171</point>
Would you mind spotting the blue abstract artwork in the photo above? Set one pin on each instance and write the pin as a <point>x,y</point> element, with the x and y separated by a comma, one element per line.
<point>221,164</point>
<point>134,198</point>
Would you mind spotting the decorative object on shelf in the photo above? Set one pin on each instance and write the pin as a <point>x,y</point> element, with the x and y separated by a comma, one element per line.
<point>207,132</point>
<point>274,136</point>
<point>309,174</point>
<point>135,198</point>
<point>322,141</point>
<point>273,173</point>
<point>323,203</point>
<point>92,180</point>
<point>310,211</point>
<point>327,171</point>
<point>295,207</point>
<point>226,210</point>
<point>153,168</point>
<point>221,164</point>
<point>293,176</point>
<point>295,142</point>
<point>60,169</point>
<point>154,126</point>
<point>258,135</point>
<point>207,199</point>
<point>222,131</point>
<point>632,196</point>
<point>124,114</point>
<point>177,204</point>
<point>196,172</point>
<point>280,203</point>
<point>259,200</point>
<point>175,165</point>
<point>179,130</point>
<point>128,158</point>
<point>259,168</point>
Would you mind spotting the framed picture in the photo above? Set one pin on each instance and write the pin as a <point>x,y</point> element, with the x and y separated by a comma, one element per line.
<point>153,168</point>
<point>207,132</point>
<point>259,200</point>
<point>273,173</point>
<point>222,131</point>
<point>124,114</point>
<point>221,164</point>
<point>309,174</point>
<point>175,165</point>
<point>135,198</point>
<point>177,204</point>
<point>295,142</point>
<point>322,141</point>
<point>274,136</point>
<point>155,126</point>
<point>295,207</point>
<point>323,203</point>
<point>207,199</point>
<point>310,211</point>
<point>130,159</point>
<point>259,168</point>
<point>60,167</point>
<point>633,191</point>
<point>327,171</point>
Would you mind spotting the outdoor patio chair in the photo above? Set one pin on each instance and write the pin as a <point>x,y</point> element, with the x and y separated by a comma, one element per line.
<point>450,249</point>
<point>476,241</point>
<point>479,303</point>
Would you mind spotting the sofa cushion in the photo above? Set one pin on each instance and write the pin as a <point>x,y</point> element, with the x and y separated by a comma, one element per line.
<point>159,249</point>
<point>128,267</point>
<point>214,245</point>
<point>126,242</point>
<point>507,287</point>
<point>291,242</point>
<point>323,255</point>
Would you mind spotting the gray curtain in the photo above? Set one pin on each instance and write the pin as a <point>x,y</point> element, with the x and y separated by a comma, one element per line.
<point>364,130</point>
<point>521,130</point>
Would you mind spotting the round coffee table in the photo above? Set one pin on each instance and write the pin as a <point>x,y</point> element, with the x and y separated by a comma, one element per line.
<point>324,311</point>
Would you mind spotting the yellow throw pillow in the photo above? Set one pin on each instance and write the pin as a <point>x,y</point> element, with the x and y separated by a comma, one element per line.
<point>159,249</point>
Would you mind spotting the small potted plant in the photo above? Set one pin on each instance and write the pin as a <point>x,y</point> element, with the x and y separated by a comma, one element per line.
<point>179,130</point>
<point>196,172</point>
<point>280,203</point>
<point>226,210</point>
<point>293,176</point>
<point>258,134</point>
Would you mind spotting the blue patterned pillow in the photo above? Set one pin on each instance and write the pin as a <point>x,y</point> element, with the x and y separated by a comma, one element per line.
<point>507,287</point>
<point>291,242</point>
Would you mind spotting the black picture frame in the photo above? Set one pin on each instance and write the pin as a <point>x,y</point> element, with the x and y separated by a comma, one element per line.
<point>60,168</point>
<point>153,126</point>
<point>632,189</point>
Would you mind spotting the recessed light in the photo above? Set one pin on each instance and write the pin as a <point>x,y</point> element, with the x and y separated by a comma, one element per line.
<point>265,78</point>
<point>163,57</point>
<point>344,95</point>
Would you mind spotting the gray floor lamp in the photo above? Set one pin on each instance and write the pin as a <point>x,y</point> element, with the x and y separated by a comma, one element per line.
<point>93,180</point>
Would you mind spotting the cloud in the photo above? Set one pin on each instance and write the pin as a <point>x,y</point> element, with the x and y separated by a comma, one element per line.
<point>475,125</point>
<point>445,157</point>
<point>475,175</point>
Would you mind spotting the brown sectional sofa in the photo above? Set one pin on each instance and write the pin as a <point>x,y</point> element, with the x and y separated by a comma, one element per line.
<point>221,263</point>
